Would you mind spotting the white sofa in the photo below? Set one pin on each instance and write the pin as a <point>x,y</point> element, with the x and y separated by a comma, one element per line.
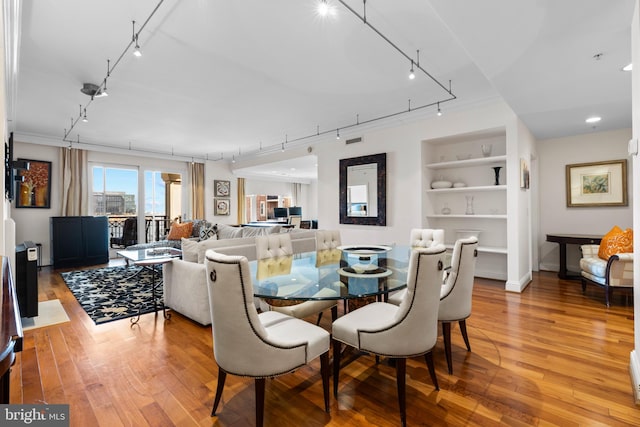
<point>185,281</point>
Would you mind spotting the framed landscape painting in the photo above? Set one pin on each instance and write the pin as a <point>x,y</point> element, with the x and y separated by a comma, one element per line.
<point>597,184</point>
<point>34,189</point>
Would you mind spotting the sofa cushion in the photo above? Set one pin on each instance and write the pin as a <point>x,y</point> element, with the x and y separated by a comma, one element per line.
<point>228,232</point>
<point>189,250</point>
<point>178,230</point>
<point>616,241</point>
<point>245,246</point>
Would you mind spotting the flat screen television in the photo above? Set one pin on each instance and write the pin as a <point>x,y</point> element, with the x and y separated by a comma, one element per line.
<point>295,210</point>
<point>280,213</point>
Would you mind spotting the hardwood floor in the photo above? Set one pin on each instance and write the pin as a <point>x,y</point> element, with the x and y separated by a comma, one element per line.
<point>548,356</point>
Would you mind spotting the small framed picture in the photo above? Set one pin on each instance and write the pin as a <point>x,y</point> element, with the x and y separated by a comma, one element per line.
<point>221,206</point>
<point>222,188</point>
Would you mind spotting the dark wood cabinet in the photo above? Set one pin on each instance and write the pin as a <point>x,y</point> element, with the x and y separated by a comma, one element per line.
<point>79,240</point>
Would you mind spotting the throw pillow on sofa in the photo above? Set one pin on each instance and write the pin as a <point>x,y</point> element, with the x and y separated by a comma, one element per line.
<point>208,232</point>
<point>189,250</point>
<point>616,241</point>
<point>179,231</point>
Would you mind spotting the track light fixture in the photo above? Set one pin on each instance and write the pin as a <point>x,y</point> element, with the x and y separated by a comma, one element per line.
<point>439,111</point>
<point>323,8</point>
<point>136,50</point>
<point>411,73</point>
<point>84,118</point>
<point>337,133</point>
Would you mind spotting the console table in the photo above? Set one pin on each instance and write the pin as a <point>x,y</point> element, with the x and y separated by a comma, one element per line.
<point>571,239</point>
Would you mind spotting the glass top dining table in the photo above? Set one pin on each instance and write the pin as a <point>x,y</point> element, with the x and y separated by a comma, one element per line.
<point>354,271</point>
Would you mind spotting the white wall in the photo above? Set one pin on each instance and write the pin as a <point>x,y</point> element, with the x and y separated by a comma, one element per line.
<point>404,170</point>
<point>555,216</point>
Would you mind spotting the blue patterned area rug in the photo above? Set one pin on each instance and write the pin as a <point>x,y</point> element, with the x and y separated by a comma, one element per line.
<point>113,293</point>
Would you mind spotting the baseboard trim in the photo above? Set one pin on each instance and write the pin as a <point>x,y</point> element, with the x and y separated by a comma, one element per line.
<point>518,286</point>
<point>634,371</point>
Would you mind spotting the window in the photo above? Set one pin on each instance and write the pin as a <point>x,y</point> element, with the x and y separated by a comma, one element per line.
<point>115,191</point>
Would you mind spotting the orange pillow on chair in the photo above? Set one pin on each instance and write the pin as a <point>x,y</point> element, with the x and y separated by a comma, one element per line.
<point>179,231</point>
<point>616,241</point>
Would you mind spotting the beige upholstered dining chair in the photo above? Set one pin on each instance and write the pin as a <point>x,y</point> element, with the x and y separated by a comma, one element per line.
<point>419,238</point>
<point>456,292</point>
<point>426,237</point>
<point>327,243</point>
<point>275,255</point>
<point>254,345</point>
<point>398,332</point>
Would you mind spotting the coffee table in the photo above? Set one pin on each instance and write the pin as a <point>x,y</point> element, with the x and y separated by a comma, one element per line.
<point>151,259</point>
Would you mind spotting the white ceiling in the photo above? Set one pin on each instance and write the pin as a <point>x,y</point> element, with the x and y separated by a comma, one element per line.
<point>224,79</point>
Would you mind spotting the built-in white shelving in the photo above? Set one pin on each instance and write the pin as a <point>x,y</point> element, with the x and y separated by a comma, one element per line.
<point>468,162</point>
<point>441,158</point>
<point>469,189</point>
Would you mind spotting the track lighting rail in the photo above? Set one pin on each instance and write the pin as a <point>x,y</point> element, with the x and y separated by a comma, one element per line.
<point>110,68</point>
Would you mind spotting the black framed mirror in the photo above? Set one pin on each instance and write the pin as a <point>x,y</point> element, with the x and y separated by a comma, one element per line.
<point>363,190</point>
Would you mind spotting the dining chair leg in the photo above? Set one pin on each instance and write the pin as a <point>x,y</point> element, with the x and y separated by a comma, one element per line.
<point>336,366</point>
<point>324,371</point>
<point>334,313</point>
<point>222,376</point>
<point>401,379</point>
<point>446,335</point>
<point>463,330</point>
<point>428,357</point>
<point>319,318</point>
<point>260,385</point>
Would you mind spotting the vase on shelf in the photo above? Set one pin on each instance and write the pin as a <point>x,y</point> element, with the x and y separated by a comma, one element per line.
<point>446,210</point>
<point>486,149</point>
<point>496,170</point>
<point>469,210</point>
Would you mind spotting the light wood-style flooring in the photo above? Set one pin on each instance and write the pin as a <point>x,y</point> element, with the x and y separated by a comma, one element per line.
<point>550,356</point>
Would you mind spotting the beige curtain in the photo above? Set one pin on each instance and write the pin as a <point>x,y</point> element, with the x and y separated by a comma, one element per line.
<point>296,191</point>
<point>196,172</point>
<point>241,202</point>
<point>74,179</point>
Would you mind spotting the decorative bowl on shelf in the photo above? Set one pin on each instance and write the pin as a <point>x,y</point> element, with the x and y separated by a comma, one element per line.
<point>459,184</point>
<point>465,234</point>
<point>463,156</point>
<point>441,184</point>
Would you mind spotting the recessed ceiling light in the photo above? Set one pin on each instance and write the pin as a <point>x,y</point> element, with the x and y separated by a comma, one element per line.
<point>594,119</point>
<point>628,67</point>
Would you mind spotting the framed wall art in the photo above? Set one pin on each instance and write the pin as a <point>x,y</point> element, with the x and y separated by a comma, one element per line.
<point>597,184</point>
<point>222,188</point>
<point>34,189</point>
<point>524,174</point>
<point>221,206</point>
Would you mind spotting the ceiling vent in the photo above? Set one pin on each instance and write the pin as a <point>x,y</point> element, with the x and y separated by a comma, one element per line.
<point>353,140</point>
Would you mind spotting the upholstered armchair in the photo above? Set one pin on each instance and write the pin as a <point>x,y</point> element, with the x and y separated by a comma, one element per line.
<point>275,255</point>
<point>397,332</point>
<point>456,293</point>
<point>254,345</point>
<point>129,234</point>
<point>614,273</point>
